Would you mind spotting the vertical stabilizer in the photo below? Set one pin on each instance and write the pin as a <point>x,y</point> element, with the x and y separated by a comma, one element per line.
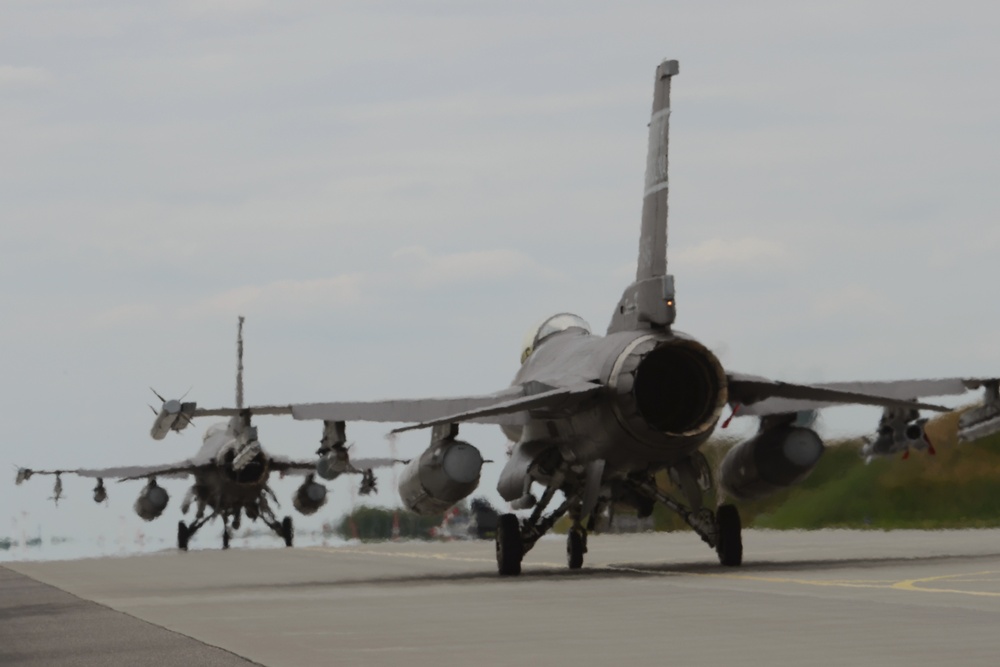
<point>648,303</point>
<point>239,365</point>
<point>653,239</point>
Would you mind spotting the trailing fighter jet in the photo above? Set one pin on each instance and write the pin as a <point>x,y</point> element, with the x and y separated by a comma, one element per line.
<point>231,471</point>
<point>594,418</point>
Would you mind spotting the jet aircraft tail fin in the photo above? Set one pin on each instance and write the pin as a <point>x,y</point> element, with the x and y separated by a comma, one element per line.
<point>239,364</point>
<point>649,301</point>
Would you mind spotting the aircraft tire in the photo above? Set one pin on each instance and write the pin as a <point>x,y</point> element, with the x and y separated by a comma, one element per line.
<point>183,535</point>
<point>730,546</point>
<point>287,531</point>
<point>575,548</point>
<point>225,538</point>
<point>510,548</point>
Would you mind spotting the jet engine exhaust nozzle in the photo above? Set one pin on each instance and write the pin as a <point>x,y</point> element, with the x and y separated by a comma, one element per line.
<point>676,389</point>
<point>668,388</point>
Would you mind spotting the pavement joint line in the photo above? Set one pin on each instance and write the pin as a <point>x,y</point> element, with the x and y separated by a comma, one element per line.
<point>911,585</point>
<point>751,577</point>
<point>422,556</point>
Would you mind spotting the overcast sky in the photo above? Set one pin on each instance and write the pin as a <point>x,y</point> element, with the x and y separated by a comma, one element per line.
<point>394,192</point>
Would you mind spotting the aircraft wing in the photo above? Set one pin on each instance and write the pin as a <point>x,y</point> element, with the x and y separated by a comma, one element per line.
<point>122,473</point>
<point>499,408</point>
<point>761,396</point>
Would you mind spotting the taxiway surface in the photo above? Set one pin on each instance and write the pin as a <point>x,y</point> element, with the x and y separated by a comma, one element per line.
<point>824,597</point>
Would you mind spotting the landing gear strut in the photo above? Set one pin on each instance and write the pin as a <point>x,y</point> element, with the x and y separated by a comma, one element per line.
<point>721,530</point>
<point>186,532</point>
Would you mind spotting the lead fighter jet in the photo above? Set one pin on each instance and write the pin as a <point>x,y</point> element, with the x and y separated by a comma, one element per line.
<point>596,417</point>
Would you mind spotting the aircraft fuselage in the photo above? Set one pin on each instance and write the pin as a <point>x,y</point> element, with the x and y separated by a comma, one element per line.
<point>663,395</point>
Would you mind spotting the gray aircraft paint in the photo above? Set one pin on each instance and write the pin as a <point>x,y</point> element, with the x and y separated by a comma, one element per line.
<point>588,411</point>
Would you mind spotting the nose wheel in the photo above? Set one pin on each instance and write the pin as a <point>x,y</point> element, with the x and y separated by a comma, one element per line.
<point>286,530</point>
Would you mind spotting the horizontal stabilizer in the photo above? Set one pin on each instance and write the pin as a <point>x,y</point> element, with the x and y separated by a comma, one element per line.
<point>254,410</point>
<point>555,398</point>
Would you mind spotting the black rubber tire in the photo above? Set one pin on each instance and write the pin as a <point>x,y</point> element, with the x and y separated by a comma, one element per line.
<point>183,535</point>
<point>730,546</point>
<point>287,530</point>
<point>576,546</point>
<point>225,538</point>
<point>510,548</point>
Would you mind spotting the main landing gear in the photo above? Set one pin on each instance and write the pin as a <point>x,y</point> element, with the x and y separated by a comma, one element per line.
<point>186,531</point>
<point>721,529</point>
<point>510,547</point>
<point>576,546</point>
<point>260,510</point>
<point>729,544</point>
<point>284,529</point>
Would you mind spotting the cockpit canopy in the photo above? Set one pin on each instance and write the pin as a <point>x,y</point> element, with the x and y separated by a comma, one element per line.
<point>551,326</point>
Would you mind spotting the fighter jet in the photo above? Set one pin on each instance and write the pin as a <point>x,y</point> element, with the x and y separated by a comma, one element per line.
<point>594,418</point>
<point>231,472</point>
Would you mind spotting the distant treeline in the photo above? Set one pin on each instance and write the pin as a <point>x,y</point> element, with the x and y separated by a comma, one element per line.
<point>376,523</point>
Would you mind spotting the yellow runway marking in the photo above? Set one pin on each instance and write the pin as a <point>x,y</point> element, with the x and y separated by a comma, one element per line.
<point>913,585</point>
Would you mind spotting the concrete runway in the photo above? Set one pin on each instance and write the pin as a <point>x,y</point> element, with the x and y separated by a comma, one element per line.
<point>816,598</point>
